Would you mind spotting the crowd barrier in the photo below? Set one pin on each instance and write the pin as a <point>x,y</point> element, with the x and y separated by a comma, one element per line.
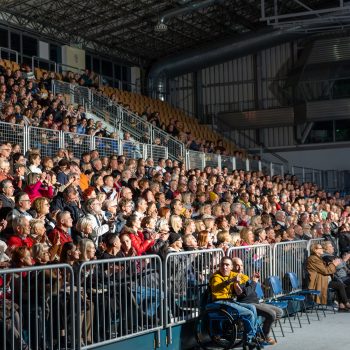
<point>104,301</point>
<point>37,308</point>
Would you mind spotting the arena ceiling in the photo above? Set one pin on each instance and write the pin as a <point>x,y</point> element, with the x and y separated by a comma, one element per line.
<point>126,28</point>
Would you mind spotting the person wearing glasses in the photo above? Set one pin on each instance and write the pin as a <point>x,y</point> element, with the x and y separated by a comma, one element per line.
<point>6,195</point>
<point>319,272</point>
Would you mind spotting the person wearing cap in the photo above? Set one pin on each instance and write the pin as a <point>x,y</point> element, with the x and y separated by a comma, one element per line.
<point>174,243</point>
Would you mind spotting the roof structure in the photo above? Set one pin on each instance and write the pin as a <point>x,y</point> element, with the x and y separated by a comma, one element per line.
<point>125,29</point>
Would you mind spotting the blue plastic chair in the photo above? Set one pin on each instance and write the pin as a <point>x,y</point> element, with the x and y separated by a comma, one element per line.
<point>281,304</point>
<point>279,295</point>
<point>296,288</point>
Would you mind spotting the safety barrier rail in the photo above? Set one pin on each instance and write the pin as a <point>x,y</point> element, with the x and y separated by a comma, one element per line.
<point>100,302</point>
<point>37,308</point>
<point>255,258</point>
<point>185,274</point>
<point>118,299</point>
<point>9,54</point>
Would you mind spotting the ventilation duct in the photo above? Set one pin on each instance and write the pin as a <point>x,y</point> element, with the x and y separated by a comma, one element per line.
<point>199,58</point>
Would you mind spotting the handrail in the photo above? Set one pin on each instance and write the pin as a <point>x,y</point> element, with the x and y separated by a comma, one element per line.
<point>10,51</point>
<point>39,59</point>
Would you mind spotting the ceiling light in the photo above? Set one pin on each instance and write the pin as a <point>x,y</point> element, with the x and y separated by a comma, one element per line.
<point>160,27</point>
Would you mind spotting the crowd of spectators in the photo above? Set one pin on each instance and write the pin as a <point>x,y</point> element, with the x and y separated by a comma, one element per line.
<point>72,208</point>
<point>26,100</point>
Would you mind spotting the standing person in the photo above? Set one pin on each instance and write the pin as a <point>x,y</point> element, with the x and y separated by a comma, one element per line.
<point>248,295</point>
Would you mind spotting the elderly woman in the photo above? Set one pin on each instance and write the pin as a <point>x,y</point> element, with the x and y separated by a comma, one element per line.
<point>319,272</point>
<point>84,229</point>
<point>95,215</point>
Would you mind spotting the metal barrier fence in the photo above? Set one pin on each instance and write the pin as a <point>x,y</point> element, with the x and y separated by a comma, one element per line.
<point>78,143</point>
<point>195,160</point>
<point>241,164</point>
<point>133,149</point>
<point>47,140</point>
<point>9,53</point>
<point>212,160</point>
<point>15,134</point>
<point>155,152</point>
<point>107,147</point>
<point>290,257</point>
<point>255,258</point>
<point>277,169</point>
<point>313,241</point>
<point>228,162</point>
<point>37,308</point>
<point>185,275</point>
<point>118,299</point>
<point>121,298</point>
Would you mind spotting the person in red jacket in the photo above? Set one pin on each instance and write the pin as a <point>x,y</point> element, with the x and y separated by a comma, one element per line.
<point>59,235</point>
<point>138,241</point>
<point>21,231</point>
<point>39,185</point>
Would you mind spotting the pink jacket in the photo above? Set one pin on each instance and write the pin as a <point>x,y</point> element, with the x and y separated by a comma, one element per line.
<point>36,190</point>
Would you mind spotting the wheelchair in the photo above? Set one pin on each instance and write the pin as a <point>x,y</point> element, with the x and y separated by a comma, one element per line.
<point>220,326</point>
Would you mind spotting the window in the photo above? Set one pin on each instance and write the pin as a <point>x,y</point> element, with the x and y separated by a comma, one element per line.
<point>96,65</point>
<point>107,68</point>
<point>321,132</point>
<point>4,40</point>
<point>342,130</point>
<point>29,46</point>
<point>16,42</point>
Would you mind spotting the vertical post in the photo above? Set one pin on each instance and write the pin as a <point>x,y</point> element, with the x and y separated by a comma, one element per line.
<point>271,169</point>
<point>234,165</point>
<point>247,165</point>
<point>282,170</point>
<point>93,142</point>
<point>293,173</point>
<point>203,161</point>
<point>166,152</point>
<point>219,162</point>
<point>259,165</point>
<point>187,159</point>
<point>303,174</point>
<point>26,137</point>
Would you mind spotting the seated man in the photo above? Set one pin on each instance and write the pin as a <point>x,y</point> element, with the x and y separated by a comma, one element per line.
<point>246,293</point>
<point>224,286</point>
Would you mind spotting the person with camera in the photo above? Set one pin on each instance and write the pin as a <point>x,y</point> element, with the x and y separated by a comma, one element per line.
<point>246,293</point>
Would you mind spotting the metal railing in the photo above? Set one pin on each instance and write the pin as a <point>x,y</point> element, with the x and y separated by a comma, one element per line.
<point>48,64</point>
<point>185,274</point>
<point>290,257</point>
<point>9,53</point>
<point>255,258</point>
<point>101,302</point>
<point>37,308</point>
<point>118,299</point>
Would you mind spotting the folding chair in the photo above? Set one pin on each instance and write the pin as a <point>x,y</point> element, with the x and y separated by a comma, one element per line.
<point>279,295</point>
<point>296,289</point>
<point>281,304</point>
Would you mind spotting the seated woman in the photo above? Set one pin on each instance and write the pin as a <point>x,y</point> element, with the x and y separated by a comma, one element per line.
<point>38,185</point>
<point>320,273</point>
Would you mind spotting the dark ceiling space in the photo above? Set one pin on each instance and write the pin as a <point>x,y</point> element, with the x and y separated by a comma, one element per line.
<point>125,29</point>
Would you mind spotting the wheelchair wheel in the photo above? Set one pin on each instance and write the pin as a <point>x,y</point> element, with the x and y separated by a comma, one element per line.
<point>216,328</point>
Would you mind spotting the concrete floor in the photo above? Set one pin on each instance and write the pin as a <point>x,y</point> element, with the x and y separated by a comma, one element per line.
<point>331,332</point>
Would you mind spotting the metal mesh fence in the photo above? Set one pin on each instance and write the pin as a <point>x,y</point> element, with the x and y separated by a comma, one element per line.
<point>15,134</point>
<point>240,164</point>
<point>78,144</point>
<point>134,150</point>
<point>176,149</point>
<point>227,162</point>
<point>46,140</point>
<point>254,165</point>
<point>155,152</point>
<point>265,167</point>
<point>277,169</point>
<point>211,160</point>
<point>196,160</point>
<point>298,172</point>
<point>107,147</point>
<point>290,257</point>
